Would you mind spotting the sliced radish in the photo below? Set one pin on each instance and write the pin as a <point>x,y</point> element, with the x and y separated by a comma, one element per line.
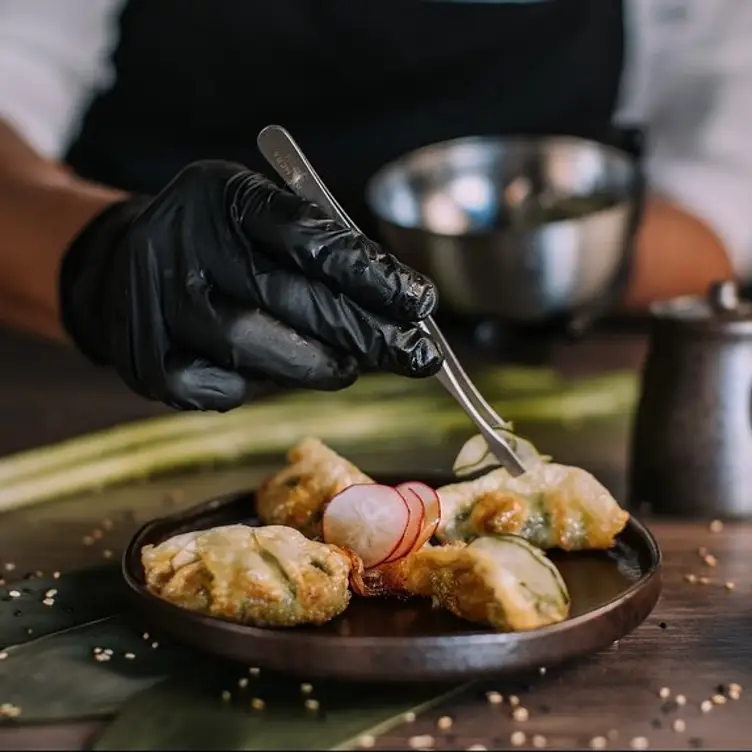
<point>368,519</point>
<point>414,527</point>
<point>431,508</point>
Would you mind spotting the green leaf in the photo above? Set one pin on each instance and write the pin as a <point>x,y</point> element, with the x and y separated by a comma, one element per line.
<point>57,677</point>
<point>191,714</point>
<point>79,597</point>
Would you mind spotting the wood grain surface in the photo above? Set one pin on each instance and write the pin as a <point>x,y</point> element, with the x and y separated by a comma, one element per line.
<point>695,646</point>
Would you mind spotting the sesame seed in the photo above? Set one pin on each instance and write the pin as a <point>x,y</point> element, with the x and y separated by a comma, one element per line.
<point>109,651</point>
<point>9,566</point>
<point>598,742</point>
<point>129,656</point>
<point>514,701</point>
<point>366,741</point>
<point>639,742</point>
<point>226,696</point>
<point>49,602</point>
<point>101,657</point>
<point>107,553</point>
<point>734,687</point>
<point>9,711</point>
<point>87,540</point>
<point>306,688</point>
<point>518,738</point>
<point>145,635</point>
<point>253,671</point>
<point>50,593</point>
<point>664,693</point>
<point>311,704</point>
<point>409,717</point>
<point>97,650</point>
<point>718,699</point>
<point>520,714</point>
<point>706,706</point>
<point>679,726</point>
<point>542,670</point>
<point>710,560</point>
<point>716,526</point>
<point>14,594</point>
<point>734,694</point>
<point>444,723</point>
<point>425,741</point>
<point>494,698</point>
<point>242,683</point>
<point>3,655</point>
<point>539,741</point>
<point>729,585</point>
<point>56,575</point>
<point>690,577</point>
<point>257,703</point>
<point>681,700</point>
<point>704,580</point>
<point>155,645</point>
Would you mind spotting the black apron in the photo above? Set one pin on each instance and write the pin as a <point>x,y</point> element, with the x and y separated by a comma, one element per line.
<point>357,83</point>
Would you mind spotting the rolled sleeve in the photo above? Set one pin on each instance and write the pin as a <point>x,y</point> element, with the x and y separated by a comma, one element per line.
<point>700,120</point>
<point>54,56</point>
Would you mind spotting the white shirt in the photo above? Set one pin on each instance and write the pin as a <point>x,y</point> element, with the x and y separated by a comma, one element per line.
<point>687,76</point>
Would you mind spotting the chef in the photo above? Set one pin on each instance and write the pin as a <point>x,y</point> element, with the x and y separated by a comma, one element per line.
<point>134,223</point>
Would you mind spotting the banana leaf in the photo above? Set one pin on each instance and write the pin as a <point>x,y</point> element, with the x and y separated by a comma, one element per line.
<point>170,696</point>
<point>191,714</point>
<point>57,677</point>
<point>80,597</point>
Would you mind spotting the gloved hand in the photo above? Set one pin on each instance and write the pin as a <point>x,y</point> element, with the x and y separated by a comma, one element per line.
<point>224,282</point>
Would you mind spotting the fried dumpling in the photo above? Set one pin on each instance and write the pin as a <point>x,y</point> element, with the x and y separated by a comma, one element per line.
<point>551,506</point>
<point>297,494</point>
<point>267,576</point>
<point>499,581</point>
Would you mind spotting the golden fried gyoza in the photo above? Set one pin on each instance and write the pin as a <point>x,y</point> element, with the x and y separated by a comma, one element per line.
<point>499,581</point>
<point>551,506</point>
<point>266,576</point>
<point>296,496</point>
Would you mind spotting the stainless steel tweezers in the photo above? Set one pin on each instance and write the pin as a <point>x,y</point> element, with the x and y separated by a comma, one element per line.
<point>286,157</point>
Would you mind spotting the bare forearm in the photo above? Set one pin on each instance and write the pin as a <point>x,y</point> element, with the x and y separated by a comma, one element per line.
<point>42,208</point>
<point>676,254</point>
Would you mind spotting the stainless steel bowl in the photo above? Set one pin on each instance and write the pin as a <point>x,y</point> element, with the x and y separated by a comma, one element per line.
<point>452,210</point>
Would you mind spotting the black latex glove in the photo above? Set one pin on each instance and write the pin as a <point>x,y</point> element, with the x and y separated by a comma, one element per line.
<point>224,282</point>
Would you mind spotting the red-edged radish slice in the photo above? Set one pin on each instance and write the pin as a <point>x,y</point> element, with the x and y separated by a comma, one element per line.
<point>368,519</point>
<point>414,527</point>
<point>431,508</point>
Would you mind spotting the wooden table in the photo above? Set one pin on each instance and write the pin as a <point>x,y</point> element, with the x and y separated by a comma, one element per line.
<point>696,641</point>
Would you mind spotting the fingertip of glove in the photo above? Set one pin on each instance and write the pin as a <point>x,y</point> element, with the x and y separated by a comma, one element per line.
<point>426,358</point>
<point>204,386</point>
<point>344,374</point>
<point>428,301</point>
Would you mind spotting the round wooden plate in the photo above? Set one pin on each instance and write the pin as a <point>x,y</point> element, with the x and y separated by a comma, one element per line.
<point>400,641</point>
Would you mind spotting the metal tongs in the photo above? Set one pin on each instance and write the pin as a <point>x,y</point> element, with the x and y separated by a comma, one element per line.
<point>286,157</point>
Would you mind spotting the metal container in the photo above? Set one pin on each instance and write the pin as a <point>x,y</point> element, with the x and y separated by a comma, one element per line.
<point>453,210</point>
<point>692,438</point>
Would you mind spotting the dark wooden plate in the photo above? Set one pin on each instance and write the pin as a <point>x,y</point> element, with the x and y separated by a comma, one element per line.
<point>390,640</point>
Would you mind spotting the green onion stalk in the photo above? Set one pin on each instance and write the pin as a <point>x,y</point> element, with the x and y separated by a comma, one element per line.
<point>371,413</point>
